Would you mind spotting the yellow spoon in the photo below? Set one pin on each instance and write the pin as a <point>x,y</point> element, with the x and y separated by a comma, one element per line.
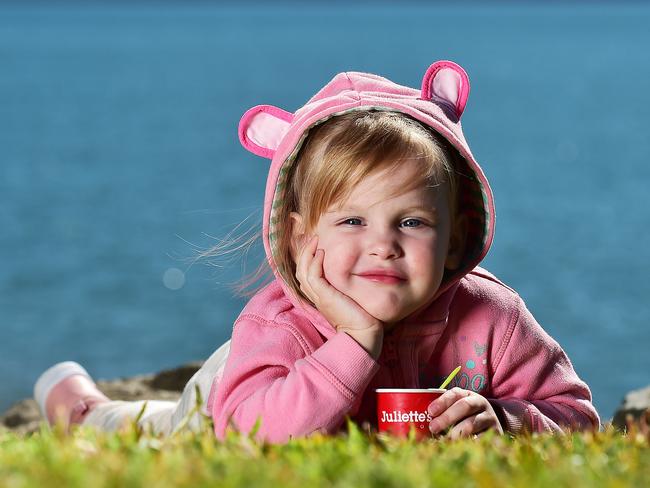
<point>450,377</point>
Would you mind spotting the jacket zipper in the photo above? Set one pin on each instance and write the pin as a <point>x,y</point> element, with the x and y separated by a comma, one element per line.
<point>392,361</point>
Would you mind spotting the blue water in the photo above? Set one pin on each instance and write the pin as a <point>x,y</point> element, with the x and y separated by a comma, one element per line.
<point>119,158</point>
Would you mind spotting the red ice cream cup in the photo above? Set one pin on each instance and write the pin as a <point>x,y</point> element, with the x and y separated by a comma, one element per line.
<point>399,409</point>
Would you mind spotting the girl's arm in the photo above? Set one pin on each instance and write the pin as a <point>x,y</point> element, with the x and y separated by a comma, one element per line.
<point>271,374</point>
<point>534,384</point>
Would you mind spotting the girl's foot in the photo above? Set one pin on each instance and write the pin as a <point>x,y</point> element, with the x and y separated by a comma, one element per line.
<point>65,393</point>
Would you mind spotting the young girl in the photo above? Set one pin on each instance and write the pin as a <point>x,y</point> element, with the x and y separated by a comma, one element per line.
<point>376,216</point>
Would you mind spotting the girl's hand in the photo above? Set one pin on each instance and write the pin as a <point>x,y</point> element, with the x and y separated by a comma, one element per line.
<point>469,413</point>
<point>339,309</point>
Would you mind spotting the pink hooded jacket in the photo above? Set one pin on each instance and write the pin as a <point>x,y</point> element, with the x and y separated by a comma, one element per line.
<point>289,367</point>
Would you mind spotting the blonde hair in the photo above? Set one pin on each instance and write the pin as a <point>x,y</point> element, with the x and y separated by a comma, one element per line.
<point>336,155</point>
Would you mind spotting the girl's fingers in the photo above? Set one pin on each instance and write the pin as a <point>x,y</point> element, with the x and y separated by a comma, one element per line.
<point>452,407</point>
<point>325,295</point>
<point>306,253</point>
<point>315,277</point>
<point>315,269</point>
<point>303,264</point>
<point>474,424</point>
<point>446,400</point>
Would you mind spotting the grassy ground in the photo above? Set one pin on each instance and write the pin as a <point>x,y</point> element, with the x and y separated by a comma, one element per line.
<point>133,458</point>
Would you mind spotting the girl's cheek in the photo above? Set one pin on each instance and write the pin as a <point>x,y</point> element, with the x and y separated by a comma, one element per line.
<point>338,263</point>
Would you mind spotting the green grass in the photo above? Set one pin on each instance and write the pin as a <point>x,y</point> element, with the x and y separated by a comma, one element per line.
<point>134,458</point>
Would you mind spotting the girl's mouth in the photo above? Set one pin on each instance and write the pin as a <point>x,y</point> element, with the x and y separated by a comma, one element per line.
<point>383,276</point>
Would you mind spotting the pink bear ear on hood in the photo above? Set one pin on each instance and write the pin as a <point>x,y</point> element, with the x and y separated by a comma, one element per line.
<point>262,128</point>
<point>447,81</point>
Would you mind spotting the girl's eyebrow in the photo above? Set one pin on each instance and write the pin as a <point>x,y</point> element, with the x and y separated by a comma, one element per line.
<point>342,210</point>
<point>414,208</point>
<point>421,208</point>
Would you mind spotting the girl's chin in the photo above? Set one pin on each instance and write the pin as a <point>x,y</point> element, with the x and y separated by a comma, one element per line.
<point>384,311</point>
<point>389,306</point>
<point>390,319</point>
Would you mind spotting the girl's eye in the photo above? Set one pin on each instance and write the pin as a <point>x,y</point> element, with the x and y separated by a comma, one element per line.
<point>412,223</point>
<point>352,221</point>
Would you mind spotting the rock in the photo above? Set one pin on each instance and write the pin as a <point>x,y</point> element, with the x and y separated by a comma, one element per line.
<point>635,403</point>
<point>24,418</point>
<point>175,379</point>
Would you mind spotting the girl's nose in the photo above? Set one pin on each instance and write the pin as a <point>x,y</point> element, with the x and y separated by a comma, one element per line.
<point>384,245</point>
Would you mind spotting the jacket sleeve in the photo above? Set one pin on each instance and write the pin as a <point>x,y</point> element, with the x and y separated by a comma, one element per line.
<point>271,375</point>
<point>534,384</point>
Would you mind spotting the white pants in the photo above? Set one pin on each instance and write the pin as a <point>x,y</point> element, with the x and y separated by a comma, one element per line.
<point>164,417</point>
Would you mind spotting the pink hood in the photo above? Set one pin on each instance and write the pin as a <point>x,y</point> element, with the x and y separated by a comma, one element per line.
<point>276,134</point>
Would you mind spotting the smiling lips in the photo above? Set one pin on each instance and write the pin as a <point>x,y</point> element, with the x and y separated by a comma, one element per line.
<point>387,276</point>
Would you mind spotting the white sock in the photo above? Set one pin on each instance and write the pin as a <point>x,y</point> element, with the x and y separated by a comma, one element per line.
<point>53,376</point>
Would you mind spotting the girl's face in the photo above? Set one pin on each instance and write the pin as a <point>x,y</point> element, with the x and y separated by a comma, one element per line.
<point>384,249</point>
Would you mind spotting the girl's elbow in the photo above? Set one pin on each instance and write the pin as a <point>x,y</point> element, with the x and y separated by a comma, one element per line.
<point>261,429</point>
